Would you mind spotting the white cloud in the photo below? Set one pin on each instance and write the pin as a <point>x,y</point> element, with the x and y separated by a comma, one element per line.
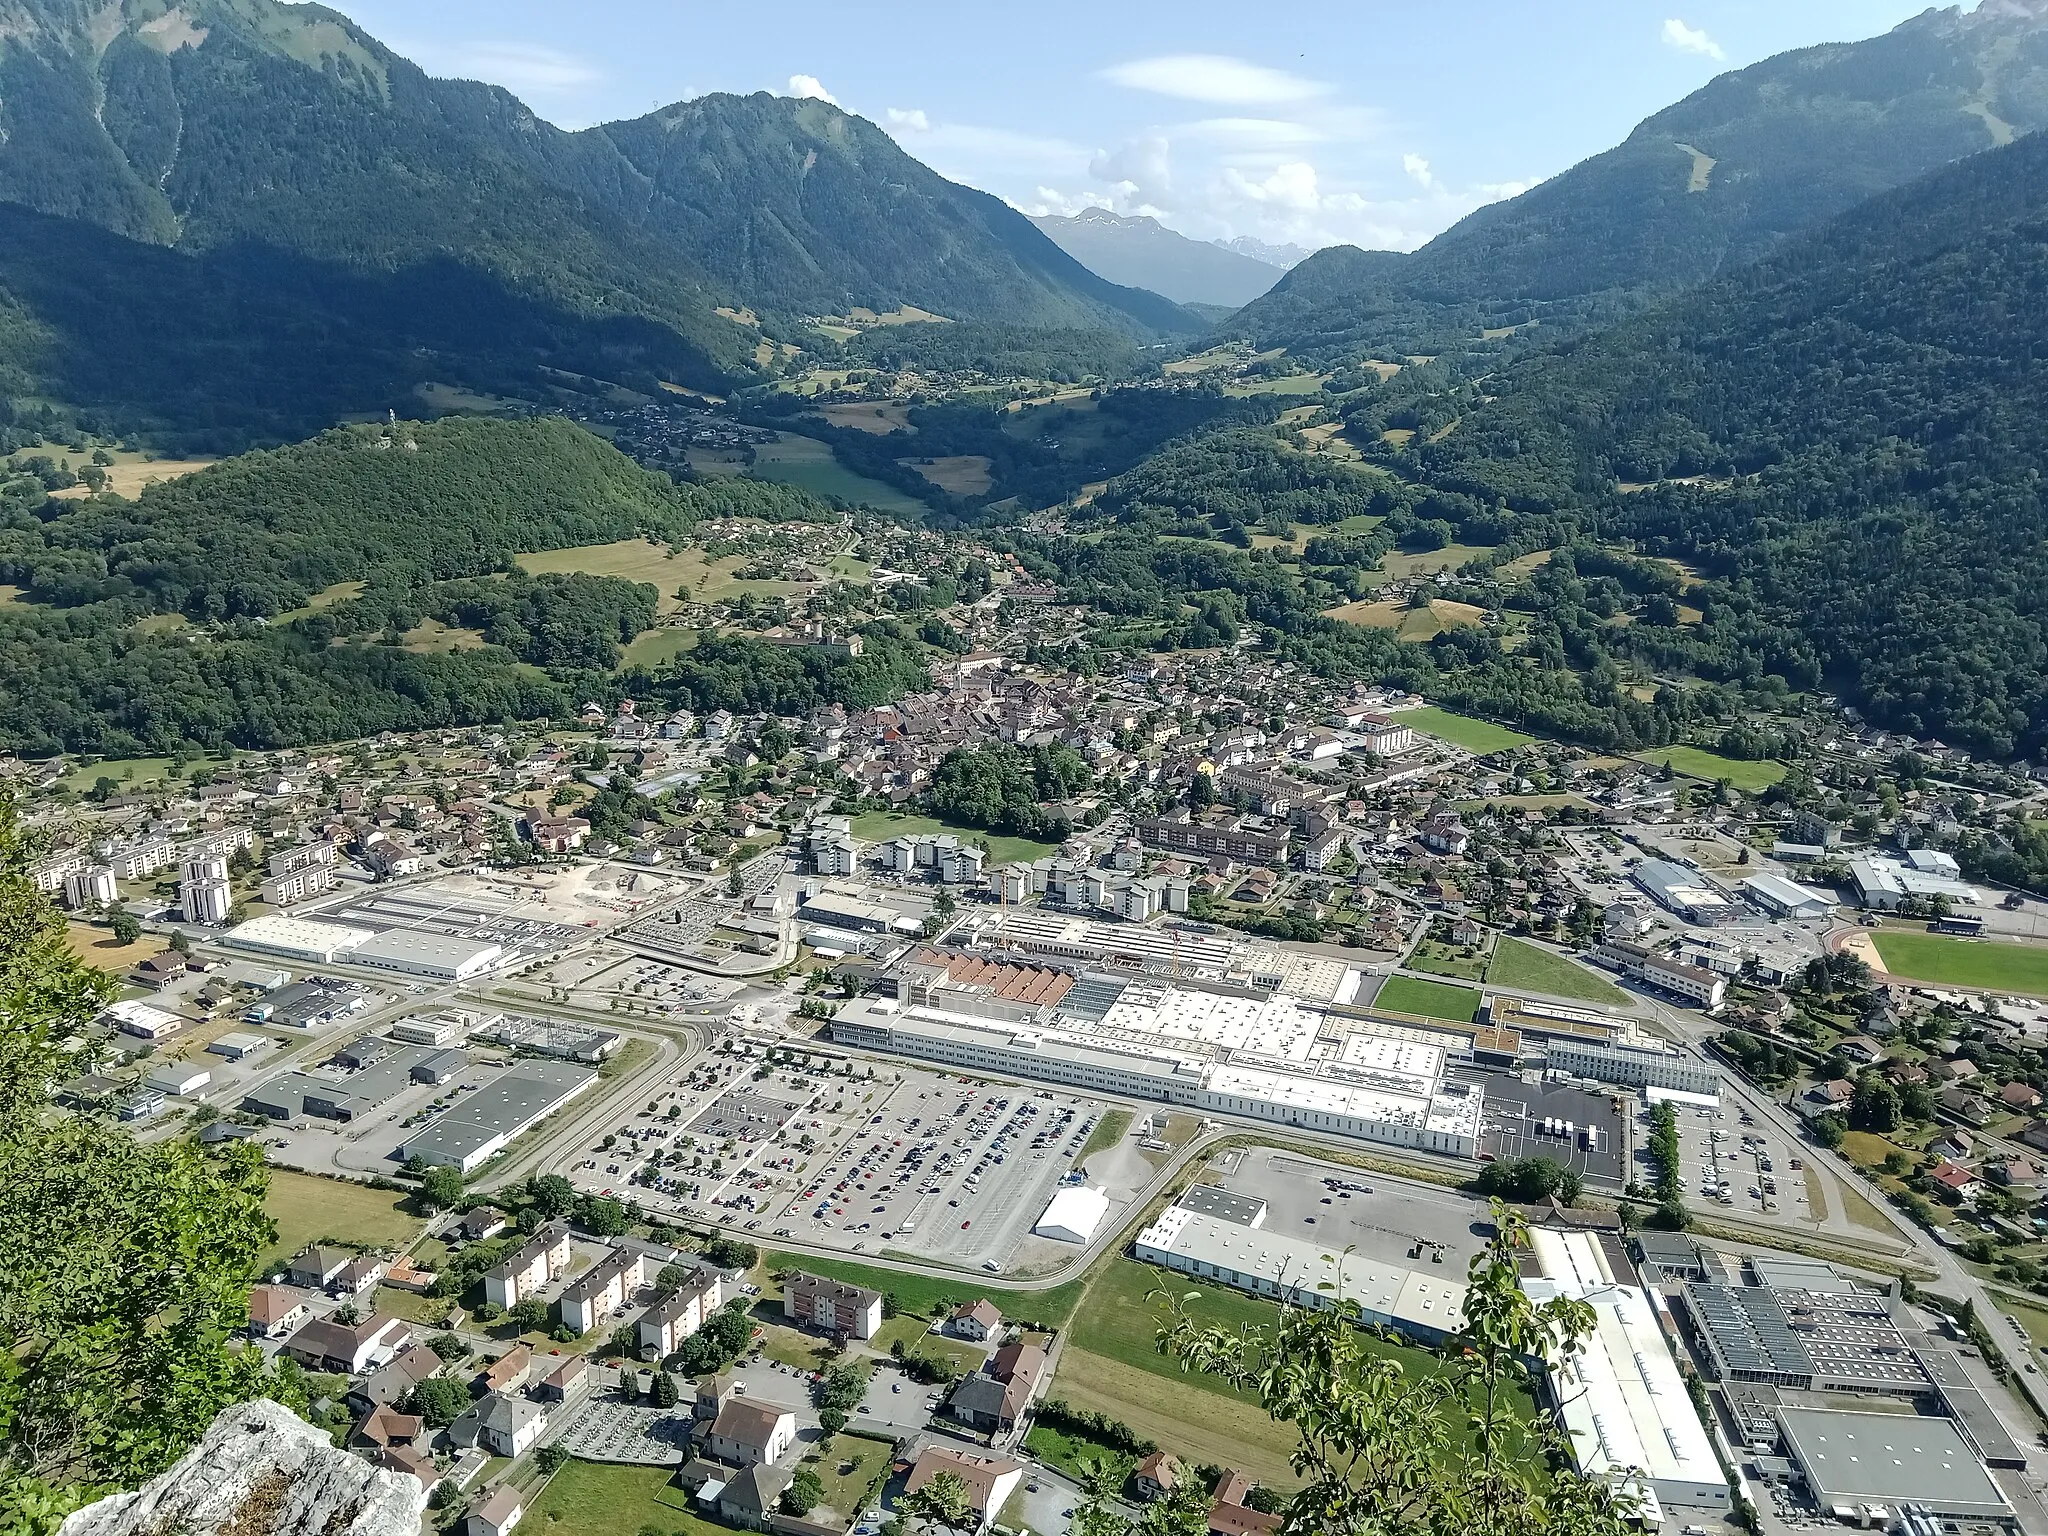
<point>1691,40</point>
<point>810,88</point>
<point>1141,168</point>
<point>1289,186</point>
<point>912,120</point>
<point>1052,201</point>
<point>1418,169</point>
<point>1213,77</point>
<point>525,69</point>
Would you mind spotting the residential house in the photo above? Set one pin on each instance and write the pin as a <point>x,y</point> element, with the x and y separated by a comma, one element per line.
<point>360,1274</point>
<point>749,1431</point>
<point>975,1320</point>
<point>496,1513</point>
<point>986,1402</point>
<point>386,1426</point>
<point>1156,1476</point>
<point>2020,1173</point>
<point>1862,1048</point>
<point>1833,1093</point>
<point>989,1480</point>
<point>391,1382</point>
<point>1229,1515</point>
<point>275,1311</point>
<point>748,1498</point>
<point>567,1381</point>
<point>509,1371</point>
<point>347,1349</point>
<point>1956,1179</point>
<point>504,1426</point>
<point>2019,1096</point>
<point>315,1268</point>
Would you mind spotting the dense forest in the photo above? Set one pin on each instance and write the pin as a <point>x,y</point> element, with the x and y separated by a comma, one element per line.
<point>1698,189</point>
<point>1845,439</point>
<point>184,617</point>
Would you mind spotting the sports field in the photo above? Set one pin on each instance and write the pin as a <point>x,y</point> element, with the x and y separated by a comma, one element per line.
<point>1749,777</point>
<point>1991,964</point>
<point>1480,736</point>
<point>1516,964</point>
<point>1432,999</point>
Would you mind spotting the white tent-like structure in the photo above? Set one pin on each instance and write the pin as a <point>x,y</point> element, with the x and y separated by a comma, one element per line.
<point>1073,1215</point>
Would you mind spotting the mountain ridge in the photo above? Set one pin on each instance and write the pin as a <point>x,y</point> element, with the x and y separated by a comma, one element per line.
<point>1136,250</point>
<point>1715,180</point>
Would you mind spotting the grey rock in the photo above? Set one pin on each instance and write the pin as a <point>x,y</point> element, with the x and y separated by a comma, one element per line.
<point>261,1470</point>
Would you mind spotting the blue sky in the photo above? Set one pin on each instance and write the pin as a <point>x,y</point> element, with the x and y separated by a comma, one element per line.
<point>1318,121</point>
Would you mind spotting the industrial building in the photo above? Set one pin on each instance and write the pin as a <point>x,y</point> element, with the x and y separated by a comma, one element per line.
<point>1423,1304</point>
<point>1621,1397</point>
<point>1884,884</point>
<point>1786,898</point>
<point>436,956</point>
<point>1811,1341</point>
<point>1685,892</point>
<point>1857,1465</point>
<point>1402,1099</point>
<point>1657,1068</point>
<point>484,1123</point>
<point>1223,1205</point>
<point>297,938</point>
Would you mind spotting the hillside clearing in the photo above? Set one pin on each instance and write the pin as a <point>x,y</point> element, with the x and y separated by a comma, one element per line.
<point>1480,736</point>
<point>808,463</point>
<point>964,474</point>
<point>1751,778</point>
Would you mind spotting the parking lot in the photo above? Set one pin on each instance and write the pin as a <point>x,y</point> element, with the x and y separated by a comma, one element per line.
<point>942,1167</point>
<point>1728,1160</point>
<point>1342,1207</point>
<point>1575,1128</point>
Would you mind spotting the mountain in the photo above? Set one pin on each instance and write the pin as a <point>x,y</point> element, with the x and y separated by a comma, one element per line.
<point>248,126</point>
<point>1846,437</point>
<point>1281,256</point>
<point>1143,253</point>
<point>1703,186</point>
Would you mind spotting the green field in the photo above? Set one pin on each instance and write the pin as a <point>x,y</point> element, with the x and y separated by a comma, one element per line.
<point>1480,736</point>
<point>657,647</point>
<point>1750,778</point>
<point>128,772</point>
<point>1516,964</point>
<point>880,826</point>
<point>923,1294</point>
<point>808,463</point>
<point>1112,1363</point>
<point>310,1210</point>
<point>1997,967</point>
<point>1446,960</point>
<point>1109,1130</point>
<point>1433,999</point>
<point>589,1499</point>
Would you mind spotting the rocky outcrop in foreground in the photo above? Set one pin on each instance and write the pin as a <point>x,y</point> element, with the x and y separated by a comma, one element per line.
<point>261,1470</point>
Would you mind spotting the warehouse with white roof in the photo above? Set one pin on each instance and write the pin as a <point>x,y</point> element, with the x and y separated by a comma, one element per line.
<point>1621,1398</point>
<point>1073,1214</point>
<point>1423,1304</point>
<point>297,938</point>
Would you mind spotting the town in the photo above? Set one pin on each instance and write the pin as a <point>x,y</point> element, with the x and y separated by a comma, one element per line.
<point>773,1116</point>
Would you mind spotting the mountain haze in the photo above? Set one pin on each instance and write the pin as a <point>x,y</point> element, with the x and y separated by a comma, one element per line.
<point>1140,252</point>
<point>1710,183</point>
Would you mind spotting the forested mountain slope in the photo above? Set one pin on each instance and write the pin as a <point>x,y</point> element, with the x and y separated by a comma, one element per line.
<point>1864,420</point>
<point>142,624</point>
<point>240,126</point>
<point>1709,183</point>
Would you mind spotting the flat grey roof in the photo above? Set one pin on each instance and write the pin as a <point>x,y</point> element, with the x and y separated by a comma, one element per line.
<point>501,1107</point>
<point>1889,1458</point>
<point>1223,1204</point>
